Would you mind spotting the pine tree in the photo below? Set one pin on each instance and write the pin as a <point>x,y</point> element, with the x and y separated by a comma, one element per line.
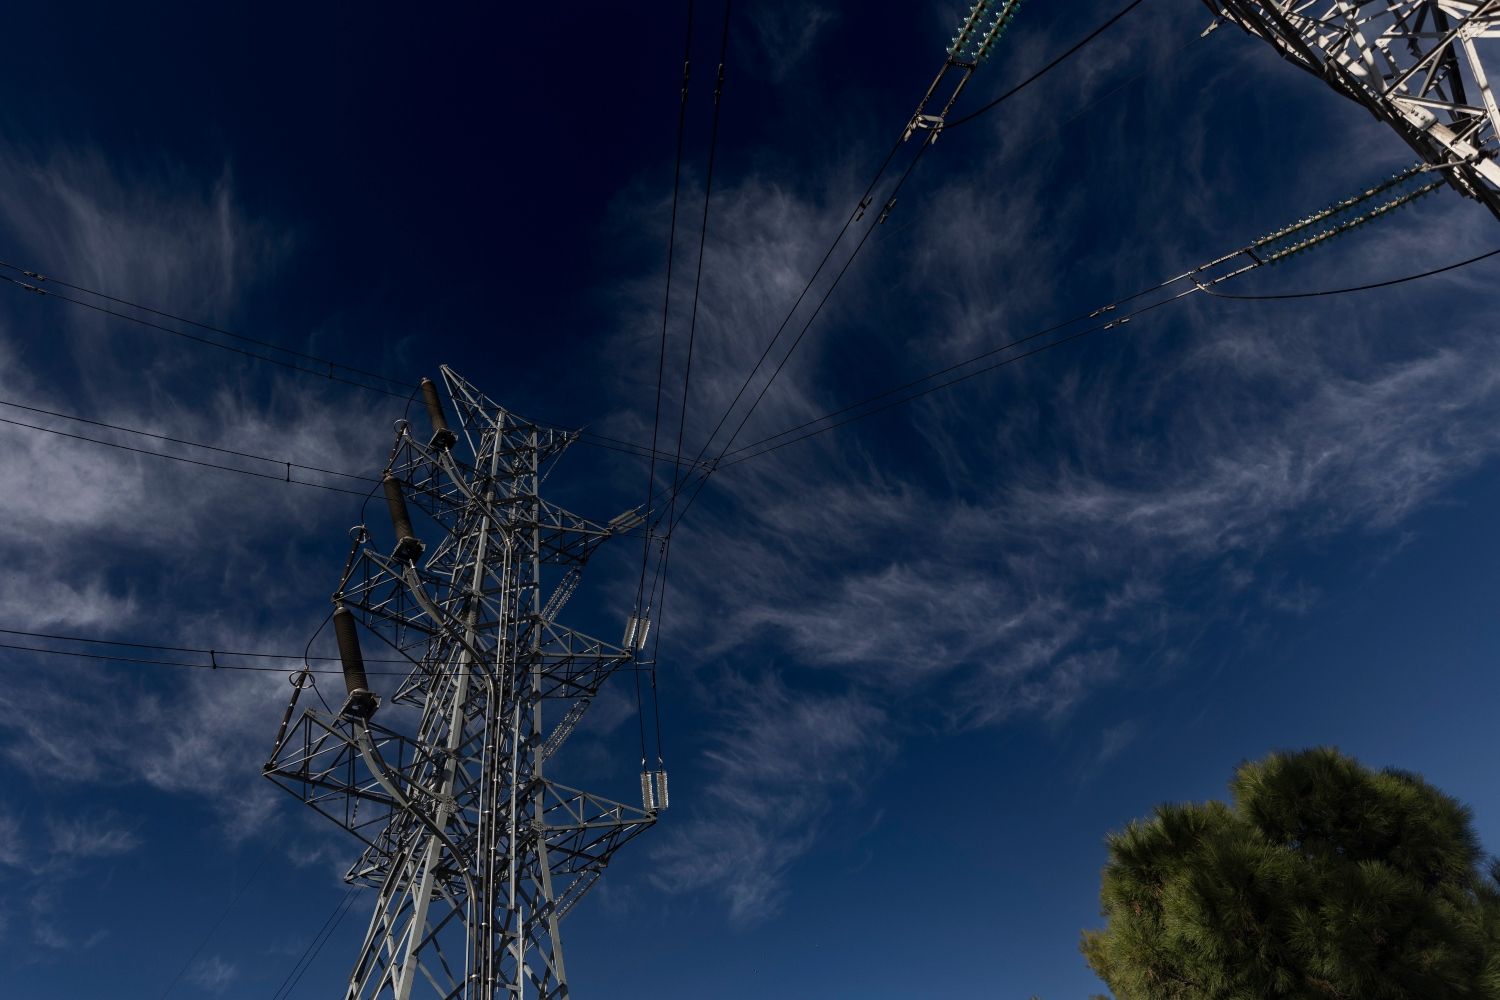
<point>1322,880</point>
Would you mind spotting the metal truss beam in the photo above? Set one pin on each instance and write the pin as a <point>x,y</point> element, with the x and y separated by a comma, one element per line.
<point>1421,66</point>
<point>475,855</point>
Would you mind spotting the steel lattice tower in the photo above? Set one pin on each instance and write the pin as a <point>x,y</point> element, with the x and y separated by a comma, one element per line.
<point>475,854</point>
<point>1417,65</point>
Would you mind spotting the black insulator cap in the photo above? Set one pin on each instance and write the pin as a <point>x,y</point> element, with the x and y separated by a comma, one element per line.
<point>442,437</point>
<point>362,702</point>
<point>408,546</point>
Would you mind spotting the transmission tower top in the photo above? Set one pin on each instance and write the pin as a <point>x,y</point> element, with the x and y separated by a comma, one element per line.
<point>476,855</point>
<point>1420,66</point>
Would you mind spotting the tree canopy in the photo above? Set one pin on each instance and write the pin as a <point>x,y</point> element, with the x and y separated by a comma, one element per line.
<point>1320,879</point>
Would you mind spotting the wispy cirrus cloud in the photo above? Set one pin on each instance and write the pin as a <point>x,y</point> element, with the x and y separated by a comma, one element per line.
<point>1036,538</point>
<point>109,543</point>
<point>213,974</point>
<point>1030,600</point>
<point>84,838</point>
<point>994,552</point>
<point>204,737</point>
<point>779,761</point>
<point>12,846</point>
<point>785,33</point>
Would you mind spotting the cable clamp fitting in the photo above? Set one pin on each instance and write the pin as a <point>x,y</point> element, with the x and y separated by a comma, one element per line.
<point>929,123</point>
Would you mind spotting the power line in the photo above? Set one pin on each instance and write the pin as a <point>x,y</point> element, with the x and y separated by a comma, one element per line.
<point>854,216</point>
<point>181,649</point>
<point>661,360</point>
<point>145,661</point>
<point>965,377</point>
<point>286,478</point>
<point>214,929</point>
<point>1058,130</point>
<point>664,561</point>
<point>1205,287</point>
<point>212,654</point>
<point>1312,231</point>
<point>184,441</point>
<point>327,369</point>
<point>1056,61</point>
<point>889,204</point>
<point>53,279</point>
<point>285,465</point>
<point>1060,127</point>
<point>1354,288</point>
<point>708,189</point>
<point>1051,65</point>
<point>310,953</point>
<point>1094,313</point>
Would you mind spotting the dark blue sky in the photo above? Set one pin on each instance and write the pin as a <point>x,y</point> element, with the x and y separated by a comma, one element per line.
<point>914,669</point>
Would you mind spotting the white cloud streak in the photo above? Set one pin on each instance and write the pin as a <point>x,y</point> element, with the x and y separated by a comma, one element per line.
<point>1035,543</point>
<point>82,838</point>
<point>779,760</point>
<point>998,550</point>
<point>12,846</point>
<point>101,542</point>
<point>213,974</point>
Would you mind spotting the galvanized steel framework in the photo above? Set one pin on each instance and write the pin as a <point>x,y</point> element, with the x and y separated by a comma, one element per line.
<point>1421,66</point>
<point>475,854</point>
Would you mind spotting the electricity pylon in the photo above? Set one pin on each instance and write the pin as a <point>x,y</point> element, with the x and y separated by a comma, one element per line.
<point>475,854</point>
<point>1417,65</point>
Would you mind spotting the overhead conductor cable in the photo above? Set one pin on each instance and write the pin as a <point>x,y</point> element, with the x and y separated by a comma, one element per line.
<point>974,43</point>
<point>1375,202</point>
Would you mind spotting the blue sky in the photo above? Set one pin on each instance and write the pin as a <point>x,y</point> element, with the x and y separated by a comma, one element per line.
<point>916,669</point>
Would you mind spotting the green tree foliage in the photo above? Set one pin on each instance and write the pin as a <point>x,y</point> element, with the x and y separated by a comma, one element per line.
<point>1323,880</point>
